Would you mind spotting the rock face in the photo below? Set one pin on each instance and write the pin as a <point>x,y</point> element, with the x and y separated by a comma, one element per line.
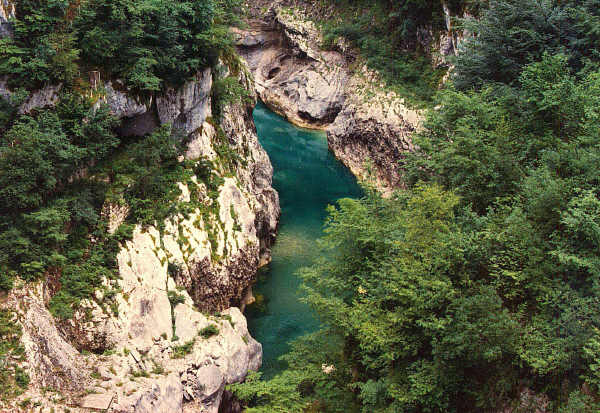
<point>173,338</point>
<point>43,98</point>
<point>378,133</point>
<point>295,80</point>
<point>368,128</point>
<point>121,103</point>
<point>529,401</point>
<point>7,12</point>
<point>153,373</point>
<point>289,76</point>
<point>186,108</point>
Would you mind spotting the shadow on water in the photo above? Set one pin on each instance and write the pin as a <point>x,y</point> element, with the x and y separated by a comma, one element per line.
<point>308,178</point>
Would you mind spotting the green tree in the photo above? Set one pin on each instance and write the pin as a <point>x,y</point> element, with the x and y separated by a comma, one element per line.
<point>510,34</point>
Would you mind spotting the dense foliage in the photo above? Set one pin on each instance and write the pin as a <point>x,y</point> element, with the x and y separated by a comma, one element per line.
<point>147,43</point>
<point>482,278</point>
<point>39,158</point>
<point>511,34</point>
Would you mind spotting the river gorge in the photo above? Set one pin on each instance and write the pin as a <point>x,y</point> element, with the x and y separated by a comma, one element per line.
<point>308,178</point>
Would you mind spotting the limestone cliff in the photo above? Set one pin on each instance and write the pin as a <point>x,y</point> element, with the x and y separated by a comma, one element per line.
<point>174,337</point>
<point>368,127</point>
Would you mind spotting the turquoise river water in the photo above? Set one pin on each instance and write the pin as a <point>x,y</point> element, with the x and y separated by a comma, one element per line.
<point>308,178</point>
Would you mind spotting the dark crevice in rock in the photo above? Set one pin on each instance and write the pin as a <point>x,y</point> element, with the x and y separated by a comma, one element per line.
<point>139,125</point>
<point>230,404</point>
<point>273,72</point>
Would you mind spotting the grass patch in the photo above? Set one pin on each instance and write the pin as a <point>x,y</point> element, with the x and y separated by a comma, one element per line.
<point>181,351</point>
<point>175,298</point>
<point>140,373</point>
<point>209,331</point>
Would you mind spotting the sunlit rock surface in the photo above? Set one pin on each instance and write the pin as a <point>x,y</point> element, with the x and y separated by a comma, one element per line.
<point>368,127</point>
<point>148,354</point>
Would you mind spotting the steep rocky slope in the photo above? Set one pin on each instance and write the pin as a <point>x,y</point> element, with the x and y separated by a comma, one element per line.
<point>173,339</point>
<point>368,127</point>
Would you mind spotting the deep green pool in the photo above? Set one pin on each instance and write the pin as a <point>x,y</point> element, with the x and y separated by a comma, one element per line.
<point>308,178</point>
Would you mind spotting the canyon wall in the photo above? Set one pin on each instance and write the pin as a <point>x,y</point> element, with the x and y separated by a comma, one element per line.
<point>368,126</point>
<point>174,336</point>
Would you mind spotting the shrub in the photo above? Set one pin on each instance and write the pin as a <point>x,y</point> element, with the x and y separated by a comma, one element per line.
<point>209,331</point>
<point>181,351</point>
<point>175,298</point>
<point>226,91</point>
<point>151,44</point>
<point>173,269</point>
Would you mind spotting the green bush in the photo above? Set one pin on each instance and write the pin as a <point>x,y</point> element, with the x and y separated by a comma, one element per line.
<point>175,298</point>
<point>41,50</point>
<point>181,351</point>
<point>209,331</point>
<point>226,91</point>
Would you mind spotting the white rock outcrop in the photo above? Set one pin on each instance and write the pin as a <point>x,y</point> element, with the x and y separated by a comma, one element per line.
<point>291,74</point>
<point>155,375</point>
<point>173,337</point>
<point>121,103</point>
<point>187,107</point>
<point>368,127</point>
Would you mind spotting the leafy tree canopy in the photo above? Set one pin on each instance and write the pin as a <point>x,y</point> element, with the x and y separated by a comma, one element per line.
<point>147,43</point>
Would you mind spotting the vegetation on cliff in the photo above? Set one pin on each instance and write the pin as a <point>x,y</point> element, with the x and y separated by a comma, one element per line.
<point>13,379</point>
<point>60,165</point>
<point>147,43</point>
<point>396,39</point>
<point>480,280</point>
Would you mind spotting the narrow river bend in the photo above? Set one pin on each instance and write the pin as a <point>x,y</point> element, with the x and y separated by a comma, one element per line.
<point>308,178</point>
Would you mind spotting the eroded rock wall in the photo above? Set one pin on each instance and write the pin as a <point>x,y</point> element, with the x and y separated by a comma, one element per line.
<point>368,127</point>
<point>174,337</point>
<point>291,75</point>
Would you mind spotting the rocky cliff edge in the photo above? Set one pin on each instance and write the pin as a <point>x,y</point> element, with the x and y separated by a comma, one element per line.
<point>174,337</point>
